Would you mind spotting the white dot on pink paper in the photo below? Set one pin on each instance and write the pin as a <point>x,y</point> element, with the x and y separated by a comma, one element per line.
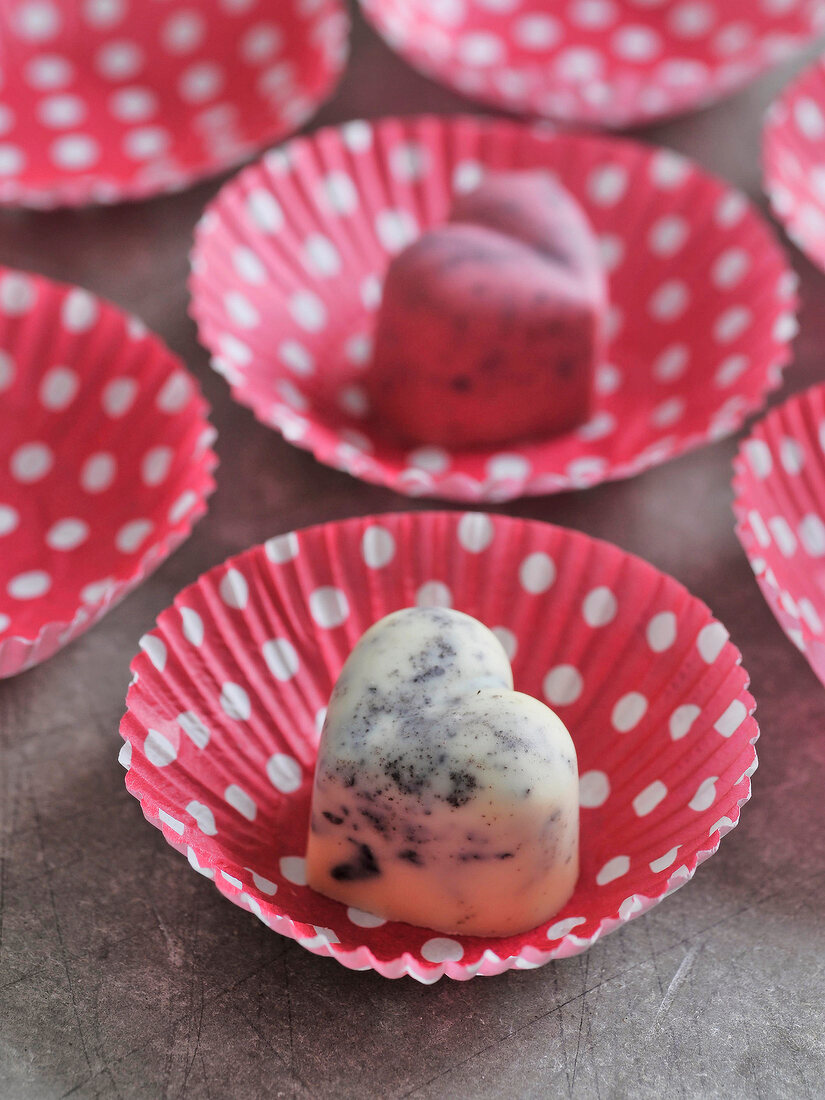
<point>155,465</point>
<point>594,789</point>
<point>46,72</point>
<point>17,294</point>
<point>661,631</point>
<point>537,573</point>
<point>58,388</point>
<point>201,82</point>
<point>61,111</point>
<point>441,949</point>
<point>328,606</point>
<point>628,711</point>
<point>613,869</point>
<point>235,702</point>
<point>434,594</point>
<point>79,310</point>
<point>159,750</point>
<point>31,462</point>
<point>281,658</point>
<point>562,685</point>
<point>119,60</point>
<point>133,104</point>
<point>29,586</point>
<point>284,772</point>
<point>647,800</point>
<point>37,20</point>
<point>98,472</point>
<point>67,534</point>
<point>599,607</point>
<point>192,626</point>
<point>711,641</point>
<point>183,32</point>
<point>146,142</point>
<point>294,870</point>
<point>9,519</point>
<point>131,536</point>
<point>241,801</point>
<point>234,589</point>
<point>475,532</point>
<point>363,919</point>
<point>705,795</point>
<point>75,152</point>
<point>377,546</point>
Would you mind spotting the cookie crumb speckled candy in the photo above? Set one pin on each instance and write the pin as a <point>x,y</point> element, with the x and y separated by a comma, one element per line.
<point>491,325</point>
<point>443,797</point>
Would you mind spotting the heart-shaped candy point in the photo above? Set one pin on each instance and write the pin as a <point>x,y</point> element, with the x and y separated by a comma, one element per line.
<point>443,797</point>
<point>491,325</point>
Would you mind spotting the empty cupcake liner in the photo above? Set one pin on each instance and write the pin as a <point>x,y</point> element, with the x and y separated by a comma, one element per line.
<point>601,62</point>
<point>289,261</point>
<point>794,161</point>
<point>105,461</point>
<point>106,100</point>
<point>229,695</point>
<point>779,488</point>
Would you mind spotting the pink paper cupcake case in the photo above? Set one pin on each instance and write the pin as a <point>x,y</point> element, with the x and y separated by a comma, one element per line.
<point>105,462</point>
<point>229,691</point>
<point>779,488</point>
<point>107,100</point>
<point>608,63</point>
<point>794,161</point>
<point>289,260</point>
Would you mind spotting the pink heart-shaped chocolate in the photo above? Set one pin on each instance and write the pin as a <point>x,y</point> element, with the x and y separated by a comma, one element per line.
<point>491,325</point>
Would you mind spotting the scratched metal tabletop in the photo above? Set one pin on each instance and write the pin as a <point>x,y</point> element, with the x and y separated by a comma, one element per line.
<point>124,974</point>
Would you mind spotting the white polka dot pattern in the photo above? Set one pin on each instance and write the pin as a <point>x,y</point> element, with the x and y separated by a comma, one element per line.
<point>780,513</point>
<point>794,160</point>
<point>127,99</point>
<point>686,705</point>
<point>78,532</point>
<point>689,356</point>
<point>607,62</point>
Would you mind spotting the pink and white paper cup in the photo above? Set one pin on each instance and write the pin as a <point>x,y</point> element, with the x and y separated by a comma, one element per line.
<point>612,63</point>
<point>779,488</point>
<point>794,161</point>
<point>229,694</point>
<point>105,100</point>
<point>289,262</point>
<point>105,462</point>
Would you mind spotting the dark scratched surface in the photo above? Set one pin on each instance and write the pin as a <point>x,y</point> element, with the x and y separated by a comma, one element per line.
<point>124,974</point>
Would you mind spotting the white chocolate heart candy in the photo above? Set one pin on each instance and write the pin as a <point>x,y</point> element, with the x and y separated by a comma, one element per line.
<point>443,797</point>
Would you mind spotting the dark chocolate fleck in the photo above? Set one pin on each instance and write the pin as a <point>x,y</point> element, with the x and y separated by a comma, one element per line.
<point>463,785</point>
<point>334,819</point>
<point>362,867</point>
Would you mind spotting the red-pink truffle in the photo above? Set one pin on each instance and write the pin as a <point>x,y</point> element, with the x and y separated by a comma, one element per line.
<point>491,325</point>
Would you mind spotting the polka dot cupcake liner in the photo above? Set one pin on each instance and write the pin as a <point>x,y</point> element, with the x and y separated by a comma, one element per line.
<point>794,161</point>
<point>779,488</point>
<point>104,100</point>
<point>289,262</point>
<point>609,63</point>
<point>105,462</point>
<point>229,695</point>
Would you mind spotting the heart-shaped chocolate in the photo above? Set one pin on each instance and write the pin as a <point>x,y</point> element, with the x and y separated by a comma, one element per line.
<point>442,797</point>
<point>491,325</point>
